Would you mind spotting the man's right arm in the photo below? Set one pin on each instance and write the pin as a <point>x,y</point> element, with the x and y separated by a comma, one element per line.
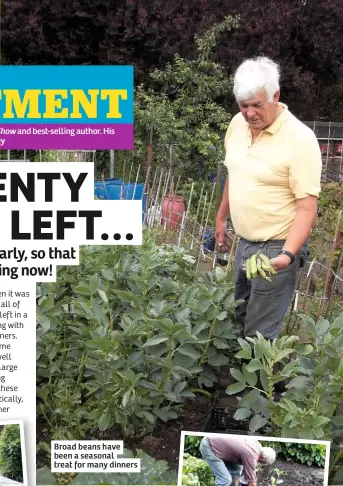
<point>222,215</point>
<point>224,208</point>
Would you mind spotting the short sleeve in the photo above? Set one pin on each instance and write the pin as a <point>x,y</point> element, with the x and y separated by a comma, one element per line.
<point>306,167</point>
<point>228,134</point>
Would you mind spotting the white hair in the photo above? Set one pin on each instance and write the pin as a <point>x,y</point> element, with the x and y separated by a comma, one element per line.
<point>268,455</point>
<point>256,74</point>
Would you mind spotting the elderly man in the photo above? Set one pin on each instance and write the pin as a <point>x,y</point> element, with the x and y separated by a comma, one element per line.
<point>229,456</point>
<point>274,170</point>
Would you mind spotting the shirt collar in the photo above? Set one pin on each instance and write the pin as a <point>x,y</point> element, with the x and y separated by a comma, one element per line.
<point>274,127</point>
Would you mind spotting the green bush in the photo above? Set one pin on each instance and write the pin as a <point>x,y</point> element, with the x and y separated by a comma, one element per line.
<point>305,453</point>
<point>127,336</point>
<point>192,445</point>
<point>196,472</point>
<point>10,453</point>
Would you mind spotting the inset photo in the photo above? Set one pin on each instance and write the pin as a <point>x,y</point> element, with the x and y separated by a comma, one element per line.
<point>237,460</point>
<point>12,454</point>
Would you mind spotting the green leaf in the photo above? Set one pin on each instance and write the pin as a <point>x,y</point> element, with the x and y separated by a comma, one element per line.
<point>243,354</point>
<point>218,360</point>
<point>188,350</point>
<point>300,382</point>
<point>103,295</point>
<point>179,387</point>
<point>242,413</point>
<point>304,349</point>
<point>249,399</point>
<point>129,297</point>
<point>182,371</point>
<point>46,304</point>
<point>220,274</point>
<point>155,340</point>
<point>254,365</point>
<point>310,325</point>
<point>44,321</point>
<point>245,346</point>
<point>235,388</point>
<point>108,274</point>
<point>257,422</point>
<point>222,316</point>
<point>264,380</point>
<point>204,305</point>
<point>260,405</point>
<point>291,340</point>
<point>150,418</point>
<point>45,476</point>
<point>104,421</point>
<point>238,375</point>
<point>322,325</point>
<point>220,343</point>
<point>283,353</point>
<point>82,290</point>
<point>320,421</point>
<point>250,377</point>
<point>148,384</point>
<point>338,322</point>
<point>199,327</point>
<point>126,398</point>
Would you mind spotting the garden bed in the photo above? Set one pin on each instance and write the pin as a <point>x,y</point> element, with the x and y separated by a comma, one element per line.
<point>297,474</point>
<point>164,443</point>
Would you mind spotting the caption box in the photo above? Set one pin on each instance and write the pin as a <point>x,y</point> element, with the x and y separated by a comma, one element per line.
<point>90,456</point>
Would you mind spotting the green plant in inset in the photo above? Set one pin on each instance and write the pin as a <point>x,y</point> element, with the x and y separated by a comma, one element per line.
<point>276,475</point>
<point>11,465</point>
<point>301,452</point>
<point>196,472</point>
<point>192,445</point>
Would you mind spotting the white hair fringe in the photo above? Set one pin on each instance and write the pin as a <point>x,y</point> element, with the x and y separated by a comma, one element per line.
<point>256,74</point>
<point>268,455</point>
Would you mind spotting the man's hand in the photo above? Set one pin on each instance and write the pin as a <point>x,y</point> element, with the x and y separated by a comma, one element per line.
<point>221,234</point>
<point>252,484</point>
<point>280,262</point>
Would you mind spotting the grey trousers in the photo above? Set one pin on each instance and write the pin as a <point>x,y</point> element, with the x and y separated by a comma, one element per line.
<point>265,303</point>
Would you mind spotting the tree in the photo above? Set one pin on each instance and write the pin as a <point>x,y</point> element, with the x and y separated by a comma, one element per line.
<point>185,109</point>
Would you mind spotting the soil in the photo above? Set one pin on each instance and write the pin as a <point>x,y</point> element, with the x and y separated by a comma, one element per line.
<point>297,474</point>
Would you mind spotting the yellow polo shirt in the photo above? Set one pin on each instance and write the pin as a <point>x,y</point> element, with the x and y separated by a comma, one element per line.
<point>267,177</point>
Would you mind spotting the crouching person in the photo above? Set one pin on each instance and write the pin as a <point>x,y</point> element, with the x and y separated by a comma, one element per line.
<point>230,457</point>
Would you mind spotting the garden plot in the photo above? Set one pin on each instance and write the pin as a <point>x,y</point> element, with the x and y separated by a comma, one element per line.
<point>296,463</point>
<point>291,474</point>
<point>131,340</point>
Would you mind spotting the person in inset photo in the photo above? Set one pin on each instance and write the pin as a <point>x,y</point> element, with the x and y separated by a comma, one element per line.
<point>234,460</point>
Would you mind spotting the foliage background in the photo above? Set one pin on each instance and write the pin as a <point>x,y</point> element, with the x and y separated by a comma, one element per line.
<point>304,453</point>
<point>10,453</point>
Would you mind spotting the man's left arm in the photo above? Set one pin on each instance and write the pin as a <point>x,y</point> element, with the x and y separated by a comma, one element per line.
<point>304,181</point>
<point>300,230</point>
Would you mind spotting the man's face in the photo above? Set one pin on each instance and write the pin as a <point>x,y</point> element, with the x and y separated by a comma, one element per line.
<point>258,111</point>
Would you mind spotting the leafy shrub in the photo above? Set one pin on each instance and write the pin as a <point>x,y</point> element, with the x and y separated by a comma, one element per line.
<point>10,453</point>
<point>305,453</point>
<point>309,407</point>
<point>192,445</point>
<point>196,472</point>
<point>126,336</point>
